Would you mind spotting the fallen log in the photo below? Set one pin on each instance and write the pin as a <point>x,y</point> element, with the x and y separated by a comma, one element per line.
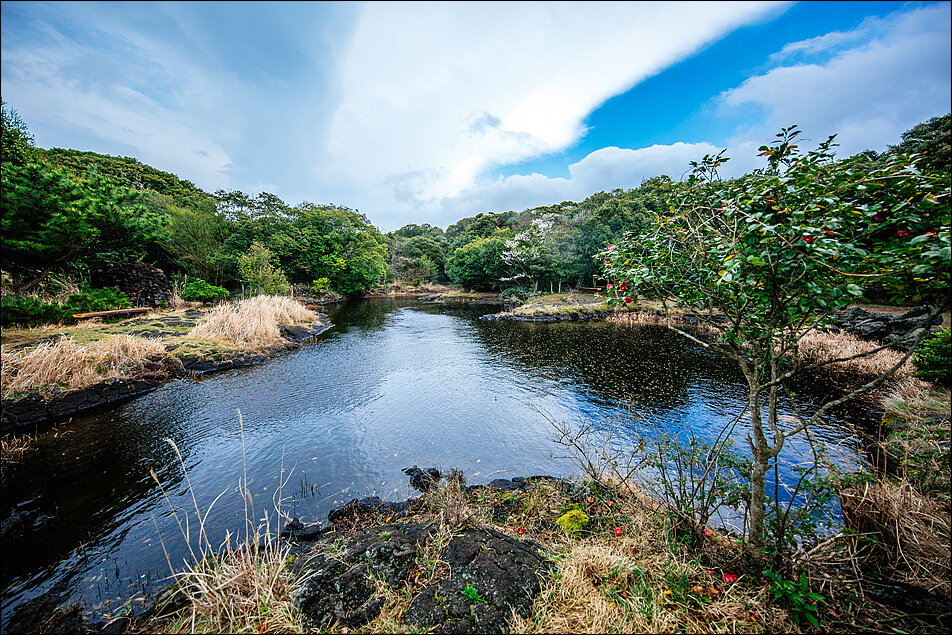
<point>80,316</point>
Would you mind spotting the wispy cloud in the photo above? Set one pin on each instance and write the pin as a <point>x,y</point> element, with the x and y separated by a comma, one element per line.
<point>895,73</point>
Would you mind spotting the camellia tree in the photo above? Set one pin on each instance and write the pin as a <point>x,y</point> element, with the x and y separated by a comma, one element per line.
<point>765,259</point>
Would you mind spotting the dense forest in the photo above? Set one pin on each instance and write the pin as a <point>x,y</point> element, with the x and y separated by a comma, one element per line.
<point>67,211</point>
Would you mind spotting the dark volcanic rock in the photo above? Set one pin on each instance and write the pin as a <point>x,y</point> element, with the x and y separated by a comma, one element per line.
<point>422,479</point>
<point>143,284</point>
<point>358,508</point>
<point>898,331</point>
<point>505,573</point>
<point>337,587</point>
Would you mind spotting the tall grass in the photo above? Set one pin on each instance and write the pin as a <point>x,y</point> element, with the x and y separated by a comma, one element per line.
<point>818,346</point>
<point>234,589</point>
<point>911,534</point>
<point>70,365</point>
<point>250,322</point>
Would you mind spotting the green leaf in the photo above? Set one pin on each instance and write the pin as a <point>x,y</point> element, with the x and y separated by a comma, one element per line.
<point>854,289</point>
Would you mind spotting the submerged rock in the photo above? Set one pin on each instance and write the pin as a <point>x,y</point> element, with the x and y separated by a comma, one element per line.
<point>422,480</point>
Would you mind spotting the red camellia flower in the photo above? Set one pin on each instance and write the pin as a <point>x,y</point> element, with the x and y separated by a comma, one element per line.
<point>520,530</point>
<point>618,531</point>
<point>903,232</point>
<point>628,300</point>
<point>730,577</point>
<point>609,284</point>
<point>808,239</point>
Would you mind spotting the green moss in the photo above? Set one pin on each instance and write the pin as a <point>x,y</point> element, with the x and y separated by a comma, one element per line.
<point>572,521</point>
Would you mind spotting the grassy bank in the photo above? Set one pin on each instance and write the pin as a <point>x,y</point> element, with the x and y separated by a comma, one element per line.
<point>74,357</point>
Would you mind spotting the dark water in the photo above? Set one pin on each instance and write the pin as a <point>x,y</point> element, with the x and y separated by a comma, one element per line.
<point>393,384</point>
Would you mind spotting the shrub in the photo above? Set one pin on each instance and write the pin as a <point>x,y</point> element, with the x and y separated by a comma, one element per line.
<point>932,359</point>
<point>104,299</point>
<point>257,270</point>
<point>321,285</point>
<point>31,311</point>
<point>201,291</point>
<point>28,312</point>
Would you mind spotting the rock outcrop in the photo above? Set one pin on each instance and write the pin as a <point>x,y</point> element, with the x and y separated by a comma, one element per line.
<point>143,284</point>
<point>899,331</point>
<point>481,576</point>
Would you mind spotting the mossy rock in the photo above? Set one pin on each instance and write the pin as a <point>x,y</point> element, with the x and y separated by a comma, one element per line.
<point>572,522</point>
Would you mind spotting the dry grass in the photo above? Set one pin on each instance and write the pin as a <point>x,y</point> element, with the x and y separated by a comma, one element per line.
<point>12,448</point>
<point>621,577</point>
<point>640,318</point>
<point>244,590</point>
<point>909,533</point>
<point>912,399</point>
<point>632,578</point>
<point>818,347</point>
<point>251,322</point>
<point>70,365</point>
<point>233,590</point>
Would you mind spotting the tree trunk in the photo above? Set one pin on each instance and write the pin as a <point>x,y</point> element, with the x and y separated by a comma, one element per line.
<point>758,475</point>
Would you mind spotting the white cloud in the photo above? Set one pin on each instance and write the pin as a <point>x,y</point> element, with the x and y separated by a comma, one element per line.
<point>895,76</point>
<point>422,83</point>
<point>603,170</point>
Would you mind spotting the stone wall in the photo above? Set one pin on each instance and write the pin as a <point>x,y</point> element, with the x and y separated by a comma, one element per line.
<point>143,284</point>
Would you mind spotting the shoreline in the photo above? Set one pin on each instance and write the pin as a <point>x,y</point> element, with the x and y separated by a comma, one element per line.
<point>37,409</point>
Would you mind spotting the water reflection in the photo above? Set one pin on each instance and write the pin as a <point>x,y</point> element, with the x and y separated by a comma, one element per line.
<point>396,382</point>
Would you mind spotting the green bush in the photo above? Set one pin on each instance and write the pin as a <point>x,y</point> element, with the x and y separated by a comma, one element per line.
<point>201,291</point>
<point>932,359</point>
<point>321,285</point>
<point>33,312</point>
<point>16,311</point>
<point>104,299</point>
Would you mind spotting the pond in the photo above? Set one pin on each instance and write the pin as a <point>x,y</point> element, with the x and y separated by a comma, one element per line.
<point>395,383</point>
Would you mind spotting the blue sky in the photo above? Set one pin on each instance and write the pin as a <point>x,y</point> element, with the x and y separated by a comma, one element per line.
<point>429,112</point>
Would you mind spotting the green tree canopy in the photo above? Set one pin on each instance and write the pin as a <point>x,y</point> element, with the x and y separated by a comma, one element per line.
<point>51,218</point>
<point>932,141</point>
<point>479,264</point>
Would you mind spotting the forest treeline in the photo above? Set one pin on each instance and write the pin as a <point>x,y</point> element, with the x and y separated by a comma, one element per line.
<point>69,211</point>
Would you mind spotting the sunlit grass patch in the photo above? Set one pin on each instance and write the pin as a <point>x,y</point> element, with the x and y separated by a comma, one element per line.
<point>251,322</point>
<point>70,365</point>
<point>818,346</point>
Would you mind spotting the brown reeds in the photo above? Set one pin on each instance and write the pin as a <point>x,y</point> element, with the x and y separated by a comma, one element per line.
<point>819,346</point>
<point>906,531</point>
<point>251,322</point>
<point>14,447</point>
<point>243,589</point>
<point>70,365</point>
<point>912,399</point>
